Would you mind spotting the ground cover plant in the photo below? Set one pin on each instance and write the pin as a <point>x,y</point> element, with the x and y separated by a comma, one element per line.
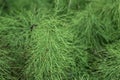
<point>59,40</point>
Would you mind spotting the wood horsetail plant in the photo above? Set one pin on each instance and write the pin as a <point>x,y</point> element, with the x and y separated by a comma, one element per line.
<point>5,69</point>
<point>102,25</point>
<point>59,39</point>
<point>110,65</point>
<point>49,59</point>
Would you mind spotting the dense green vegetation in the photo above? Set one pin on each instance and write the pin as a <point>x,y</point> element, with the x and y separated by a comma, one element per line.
<point>59,39</point>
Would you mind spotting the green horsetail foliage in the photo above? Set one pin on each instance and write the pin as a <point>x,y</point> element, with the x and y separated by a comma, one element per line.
<point>109,67</point>
<point>48,60</point>
<point>5,69</point>
<point>59,39</point>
